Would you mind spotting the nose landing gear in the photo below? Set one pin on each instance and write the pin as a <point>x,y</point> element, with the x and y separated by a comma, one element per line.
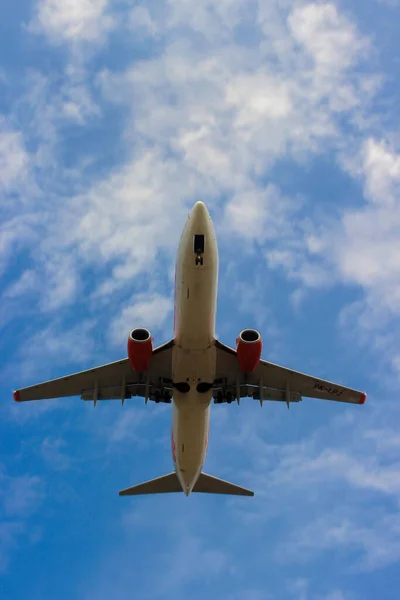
<point>198,248</point>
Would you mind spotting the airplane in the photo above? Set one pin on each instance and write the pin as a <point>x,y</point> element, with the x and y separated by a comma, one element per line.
<point>192,369</point>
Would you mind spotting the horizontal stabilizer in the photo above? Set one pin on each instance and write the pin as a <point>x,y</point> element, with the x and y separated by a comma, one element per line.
<point>161,485</point>
<point>207,484</point>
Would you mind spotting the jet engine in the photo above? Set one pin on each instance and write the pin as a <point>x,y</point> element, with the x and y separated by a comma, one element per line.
<point>140,349</point>
<point>248,349</point>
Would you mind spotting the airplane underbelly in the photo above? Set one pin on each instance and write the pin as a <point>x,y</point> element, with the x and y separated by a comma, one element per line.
<point>195,327</point>
<point>196,370</point>
<point>194,353</point>
<point>190,438</point>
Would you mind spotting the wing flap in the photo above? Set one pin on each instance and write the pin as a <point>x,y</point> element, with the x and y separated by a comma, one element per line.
<point>131,390</point>
<point>253,391</point>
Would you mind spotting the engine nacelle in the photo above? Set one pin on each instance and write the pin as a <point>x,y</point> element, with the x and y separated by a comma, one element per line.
<point>248,349</point>
<point>140,349</point>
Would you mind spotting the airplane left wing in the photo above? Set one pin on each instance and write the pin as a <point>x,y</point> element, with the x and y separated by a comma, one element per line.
<point>115,380</point>
<point>272,382</point>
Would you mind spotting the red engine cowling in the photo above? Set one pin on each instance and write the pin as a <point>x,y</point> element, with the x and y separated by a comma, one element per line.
<point>140,349</point>
<point>248,349</point>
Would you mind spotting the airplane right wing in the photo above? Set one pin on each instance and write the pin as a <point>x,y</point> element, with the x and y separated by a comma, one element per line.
<point>273,382</point>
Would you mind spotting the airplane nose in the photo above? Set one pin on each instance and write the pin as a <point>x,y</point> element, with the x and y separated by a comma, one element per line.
<point>198,242</point>
<point>200,215</point>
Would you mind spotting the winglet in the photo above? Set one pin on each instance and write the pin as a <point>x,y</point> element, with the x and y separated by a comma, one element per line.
<point>17,396</point>
<point>363,398</point>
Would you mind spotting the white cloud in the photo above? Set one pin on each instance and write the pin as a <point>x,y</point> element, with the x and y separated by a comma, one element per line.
<point>360,247</point>
<point>74,345</point>
<point>15,233</point>
<point>327,36</point>
<point>142,23</point>
<point>193,558</point>
<point>14,159</point>
<point>396,363</point>
<point>10,533</point>
<point>126,426</point>
<point>233,110</point>
<point>73,20</point>
<point>376,536</point>
<point>147,310</point>
<point>52,451</point>
<point>258,214</point>
<point>21,495</point>
<point>365,248</point>
<point>127,217</point>
<point>209,120</point>
<point>338,485</point>
<point>219,122</point>
<point>76,101</point>
<point>30,412</point>
<point>258,97</point>
<point>62,273</point>
<point>53,101</point>
<point>181,564</point>
<point>380,166</point>
<point>214,21</point>
<point>25,283</point>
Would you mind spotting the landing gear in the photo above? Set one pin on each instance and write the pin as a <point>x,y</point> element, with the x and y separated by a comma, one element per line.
<point>162,396</point>
<point>219,399</point>
<point>222,397</point>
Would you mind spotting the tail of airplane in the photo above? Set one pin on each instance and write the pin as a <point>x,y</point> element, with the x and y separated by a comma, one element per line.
<point>206,484</point>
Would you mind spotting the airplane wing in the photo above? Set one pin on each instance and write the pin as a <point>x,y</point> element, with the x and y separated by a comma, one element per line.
<point>272,382</point>
<point>116,380</point>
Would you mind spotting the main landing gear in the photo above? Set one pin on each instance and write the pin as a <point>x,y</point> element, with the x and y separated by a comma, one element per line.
<point>160,396</point>
<point>221,398</point>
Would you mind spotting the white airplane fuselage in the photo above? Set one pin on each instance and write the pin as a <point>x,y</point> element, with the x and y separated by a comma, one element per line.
<point>194,352</point>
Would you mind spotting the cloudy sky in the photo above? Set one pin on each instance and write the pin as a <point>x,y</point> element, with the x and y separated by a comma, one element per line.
<point>281,115</point>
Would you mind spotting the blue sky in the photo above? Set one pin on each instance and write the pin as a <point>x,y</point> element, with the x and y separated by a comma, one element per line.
<point>115,117</point>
